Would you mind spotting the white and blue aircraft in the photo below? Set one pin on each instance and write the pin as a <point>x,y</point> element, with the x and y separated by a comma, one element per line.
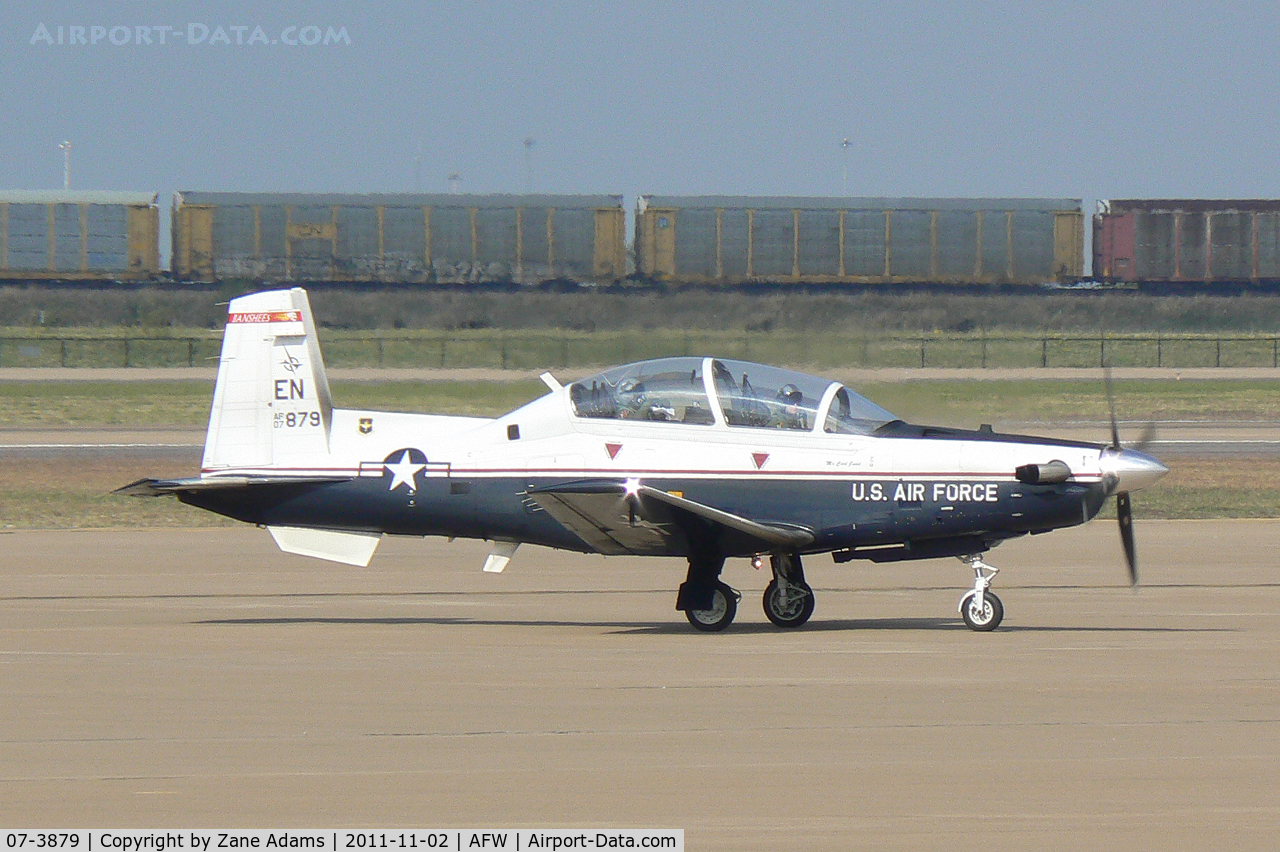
<point>700,458</point>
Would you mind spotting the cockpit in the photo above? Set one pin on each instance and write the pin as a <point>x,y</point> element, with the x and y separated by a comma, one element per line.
<point>713,391</point>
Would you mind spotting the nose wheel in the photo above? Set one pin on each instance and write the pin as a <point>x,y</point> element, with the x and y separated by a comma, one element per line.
<point>790,606</point>
<point>980,608</point>
<point>983,615</point>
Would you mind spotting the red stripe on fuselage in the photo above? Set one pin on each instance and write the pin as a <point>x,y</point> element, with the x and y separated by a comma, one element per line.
<point>661,474</point>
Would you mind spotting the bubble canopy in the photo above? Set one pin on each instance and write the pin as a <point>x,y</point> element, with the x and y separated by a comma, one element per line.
<point>723,392</point>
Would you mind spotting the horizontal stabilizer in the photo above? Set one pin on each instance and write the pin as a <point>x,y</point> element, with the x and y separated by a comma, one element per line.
<point>349,548</point>
<point>161,487</point>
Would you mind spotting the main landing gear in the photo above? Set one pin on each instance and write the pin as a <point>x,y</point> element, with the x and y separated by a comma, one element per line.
<point>788,600</point>
<point>980,608</point>
<point>719,615</point>
<point>711,605</point>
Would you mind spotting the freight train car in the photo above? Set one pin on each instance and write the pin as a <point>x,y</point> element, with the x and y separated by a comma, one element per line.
<point>1199,242</point>
<point>78,236</point>
<point>731,239</point>
<point>401,239</point>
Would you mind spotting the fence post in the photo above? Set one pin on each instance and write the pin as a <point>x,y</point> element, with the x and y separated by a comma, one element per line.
<point>126,351</point>
<point>1217,359</point>
<point>62,353</point>
<point>1159,352</point>
<point>1275,352</point>
<point>442,350</point>
<point>191,352</point>
<point>984,349</point>
<point>922,352</point>
<point>1102,354</point>
<point>1044,352</point>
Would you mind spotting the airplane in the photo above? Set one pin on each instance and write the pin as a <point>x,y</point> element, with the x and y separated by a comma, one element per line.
<point>697,457</point>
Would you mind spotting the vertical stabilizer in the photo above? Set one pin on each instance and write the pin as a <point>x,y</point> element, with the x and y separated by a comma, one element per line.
<point>271,404</point>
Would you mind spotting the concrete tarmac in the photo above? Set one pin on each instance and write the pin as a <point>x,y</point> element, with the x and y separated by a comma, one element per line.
<point>203,679</point>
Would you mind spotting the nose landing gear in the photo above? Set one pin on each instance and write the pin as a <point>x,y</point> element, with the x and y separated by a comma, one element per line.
<point>788,600</point>
<point>980,608</point>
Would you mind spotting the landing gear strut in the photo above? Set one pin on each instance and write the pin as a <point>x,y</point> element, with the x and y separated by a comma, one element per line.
<point>980,608</point>
<point>709,604</point>
<point>788,600</point>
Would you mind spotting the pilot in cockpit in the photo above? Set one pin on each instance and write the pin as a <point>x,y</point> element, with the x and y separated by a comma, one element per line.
<point>787,411</point>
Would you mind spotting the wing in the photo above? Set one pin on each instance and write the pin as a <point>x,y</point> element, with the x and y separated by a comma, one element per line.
<point>615,519</point>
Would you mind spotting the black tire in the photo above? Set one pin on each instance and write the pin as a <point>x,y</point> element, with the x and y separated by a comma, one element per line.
<point>724,606</point>
<point>797,610</point>
<point>988,619</point>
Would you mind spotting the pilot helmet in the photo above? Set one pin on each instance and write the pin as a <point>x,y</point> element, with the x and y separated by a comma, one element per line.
<point>791,394</point>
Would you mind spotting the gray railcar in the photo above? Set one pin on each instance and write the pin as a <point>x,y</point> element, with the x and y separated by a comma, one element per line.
<point>736,239</point>
<point>404,239</point>
<point>78,235</point>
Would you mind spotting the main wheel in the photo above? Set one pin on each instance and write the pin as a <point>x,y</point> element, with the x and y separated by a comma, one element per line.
<point>724,606</point>
<point>984,618</point>
<point>796,610</point>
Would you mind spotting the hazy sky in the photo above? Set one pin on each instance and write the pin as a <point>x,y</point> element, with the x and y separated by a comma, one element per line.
<point>1091,99</point>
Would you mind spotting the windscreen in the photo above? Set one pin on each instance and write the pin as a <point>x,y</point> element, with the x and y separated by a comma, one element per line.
<point>851,414</point>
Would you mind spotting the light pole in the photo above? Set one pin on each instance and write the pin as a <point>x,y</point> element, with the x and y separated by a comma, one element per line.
<point>66,164</point>
<point>844,144</point>
<point>529,142</point>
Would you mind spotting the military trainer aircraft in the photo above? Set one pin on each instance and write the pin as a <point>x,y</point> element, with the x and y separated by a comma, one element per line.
<point>701,458</point>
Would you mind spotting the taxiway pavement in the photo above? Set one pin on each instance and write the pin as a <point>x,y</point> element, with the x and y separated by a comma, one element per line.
<point>203,679</point>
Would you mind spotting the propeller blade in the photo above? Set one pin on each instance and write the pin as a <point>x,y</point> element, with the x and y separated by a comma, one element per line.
<point>1148,435</point>
<point>1124,512</point>
<point>1111,405</point>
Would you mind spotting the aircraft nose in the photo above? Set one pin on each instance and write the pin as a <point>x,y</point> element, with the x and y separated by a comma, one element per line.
<point>1130,470</point>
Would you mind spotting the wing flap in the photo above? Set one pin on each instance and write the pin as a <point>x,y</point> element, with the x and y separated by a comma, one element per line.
<point>608,521</point>
<point>615,518</point>
<point>769,533</point>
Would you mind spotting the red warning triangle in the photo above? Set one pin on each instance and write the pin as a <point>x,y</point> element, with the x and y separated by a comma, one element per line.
<point>613,449</point>
<point>759,459</point>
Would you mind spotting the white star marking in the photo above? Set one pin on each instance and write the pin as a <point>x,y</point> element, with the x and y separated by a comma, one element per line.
<point>403,473</point>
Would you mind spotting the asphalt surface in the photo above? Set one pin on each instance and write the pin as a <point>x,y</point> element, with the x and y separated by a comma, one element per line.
<point>202,679</point>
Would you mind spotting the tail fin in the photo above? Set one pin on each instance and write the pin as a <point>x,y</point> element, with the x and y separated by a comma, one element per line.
<point>271,403</point>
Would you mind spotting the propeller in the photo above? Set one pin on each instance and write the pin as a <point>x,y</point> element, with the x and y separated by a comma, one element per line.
<point>1124,506</point>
